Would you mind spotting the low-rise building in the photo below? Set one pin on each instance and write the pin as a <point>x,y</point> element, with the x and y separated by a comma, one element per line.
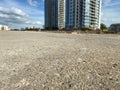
<point>0,27</point>
<point>4,28</point>
<point>115,27</point>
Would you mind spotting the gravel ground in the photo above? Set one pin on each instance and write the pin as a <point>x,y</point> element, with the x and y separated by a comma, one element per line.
<point>52,61</point>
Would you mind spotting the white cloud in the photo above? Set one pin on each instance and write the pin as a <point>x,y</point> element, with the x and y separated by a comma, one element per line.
<point>33,22</point>
<point>15,16</point>
<point>4,15</point>
<point>18,11</point>
<point>12,11</point>
<point>32,2</point>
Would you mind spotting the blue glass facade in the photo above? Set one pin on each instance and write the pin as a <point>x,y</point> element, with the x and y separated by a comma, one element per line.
<point>78,14</point>
<point>83,13</point>
<point>51,14</point>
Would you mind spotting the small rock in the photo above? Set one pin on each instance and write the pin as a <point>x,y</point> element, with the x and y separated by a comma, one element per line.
<point>114,65</point>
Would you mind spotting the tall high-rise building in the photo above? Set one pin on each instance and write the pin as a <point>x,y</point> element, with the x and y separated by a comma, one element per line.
<point>83,13</point>
<point>54,14</point>
<point>61,14</point>
<point>51,14</point>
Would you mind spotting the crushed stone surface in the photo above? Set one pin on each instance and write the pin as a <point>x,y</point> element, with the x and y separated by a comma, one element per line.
<point>57,61</point>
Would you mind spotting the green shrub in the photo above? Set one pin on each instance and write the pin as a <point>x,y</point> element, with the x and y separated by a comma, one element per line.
<point>86,29</point>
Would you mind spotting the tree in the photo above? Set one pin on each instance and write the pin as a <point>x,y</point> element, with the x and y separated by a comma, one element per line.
<point>103,26</point>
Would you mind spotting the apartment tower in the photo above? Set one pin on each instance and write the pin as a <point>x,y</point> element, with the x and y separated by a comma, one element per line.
<point>61,14</point>
<point>83,13</point>
<point>54,14</point>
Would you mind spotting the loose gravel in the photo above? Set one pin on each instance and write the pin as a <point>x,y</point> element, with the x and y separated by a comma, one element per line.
<point>53,61</point>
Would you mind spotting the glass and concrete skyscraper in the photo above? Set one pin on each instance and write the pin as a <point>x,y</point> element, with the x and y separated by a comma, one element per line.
<point>61,14</point>
<point>54,14</point>
<point>83,13</point>
<point>51,14</point>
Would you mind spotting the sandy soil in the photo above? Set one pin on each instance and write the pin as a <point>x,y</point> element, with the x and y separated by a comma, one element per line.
<point>52,61</point>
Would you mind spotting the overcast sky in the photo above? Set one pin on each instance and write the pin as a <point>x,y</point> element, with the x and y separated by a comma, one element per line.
<point>28,13</point>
